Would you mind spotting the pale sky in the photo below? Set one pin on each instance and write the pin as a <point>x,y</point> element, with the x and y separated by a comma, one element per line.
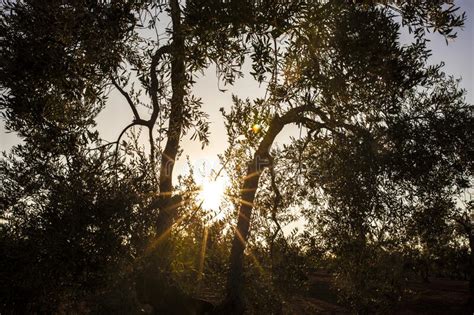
<point>457,56</point>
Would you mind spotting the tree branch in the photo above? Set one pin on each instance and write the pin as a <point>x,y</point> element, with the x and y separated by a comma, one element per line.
<point>127,97</point>
<point>102,146</point>
<point>139,122</point>
<point>276,200</point>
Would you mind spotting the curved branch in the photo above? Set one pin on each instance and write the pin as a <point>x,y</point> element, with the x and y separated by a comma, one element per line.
<point>312,124</point>
<point>135,123</point>
<point>329,123</point>
<point>128,98</point>
<point>260,161</point>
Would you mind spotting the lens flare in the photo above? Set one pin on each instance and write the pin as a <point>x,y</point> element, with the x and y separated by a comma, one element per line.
<point>256,128</point>
<point>211,194</point>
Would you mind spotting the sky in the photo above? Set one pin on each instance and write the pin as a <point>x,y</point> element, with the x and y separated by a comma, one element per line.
<point>457,57</point>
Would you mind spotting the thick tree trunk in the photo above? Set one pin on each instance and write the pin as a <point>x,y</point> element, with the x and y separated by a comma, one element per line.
<point>233,303</point>
<point>168,159</point>
<point>235,277</point>
<point>153,283</point>
<point>235,282</point>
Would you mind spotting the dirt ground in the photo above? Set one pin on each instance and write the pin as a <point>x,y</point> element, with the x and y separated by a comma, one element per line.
<point>439,296</point>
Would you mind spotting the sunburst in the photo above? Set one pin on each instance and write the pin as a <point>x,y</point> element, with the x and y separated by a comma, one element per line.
<point>211,194</point>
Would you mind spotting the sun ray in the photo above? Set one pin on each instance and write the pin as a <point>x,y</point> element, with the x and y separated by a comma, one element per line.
<point>202,257</point>
<point>242,201</point>
<point>159,238</point>
<point>250,253</point>
<point>252,175</point>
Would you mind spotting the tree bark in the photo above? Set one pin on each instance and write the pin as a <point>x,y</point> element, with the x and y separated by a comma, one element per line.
<point>235,281</point>
<point>233,304</point>
<point>153,282</point>
<point>168,158</point>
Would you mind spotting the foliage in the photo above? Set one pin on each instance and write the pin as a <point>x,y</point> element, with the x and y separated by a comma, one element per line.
<point>55,59</point>
<point>72,225</point>
<point>94,226</point>
<point>386,148</point>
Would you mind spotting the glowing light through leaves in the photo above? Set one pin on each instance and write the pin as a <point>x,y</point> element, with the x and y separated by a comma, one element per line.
<point>211,194</point>
<point>213,182</point>
<point>256,128</point>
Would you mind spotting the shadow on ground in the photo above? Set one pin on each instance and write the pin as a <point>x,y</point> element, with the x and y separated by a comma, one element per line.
<point>439,296</point>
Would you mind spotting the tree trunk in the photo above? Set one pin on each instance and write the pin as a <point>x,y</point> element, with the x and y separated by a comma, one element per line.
<point>178,82</point>
<point>153,282</point>
<point>233,303</point>
<point>166,202</point>
<point>235,281</point>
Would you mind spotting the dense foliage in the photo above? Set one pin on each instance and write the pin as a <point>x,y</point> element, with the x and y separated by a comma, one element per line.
<point>373,181</point>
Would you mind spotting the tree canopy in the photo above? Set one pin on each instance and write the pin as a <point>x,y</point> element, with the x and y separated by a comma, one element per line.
<point>96,226</point>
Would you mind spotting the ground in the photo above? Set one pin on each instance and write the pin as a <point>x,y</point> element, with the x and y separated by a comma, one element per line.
<point>439,296</point>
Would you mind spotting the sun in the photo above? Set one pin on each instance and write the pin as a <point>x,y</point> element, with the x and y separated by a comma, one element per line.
<point>211,194</point>
<point>213,182</point>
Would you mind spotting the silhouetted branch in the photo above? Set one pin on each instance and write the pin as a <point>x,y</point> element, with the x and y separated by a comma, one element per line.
<point>276,200</point>
<point>135,123</point>
<point>128,98</point>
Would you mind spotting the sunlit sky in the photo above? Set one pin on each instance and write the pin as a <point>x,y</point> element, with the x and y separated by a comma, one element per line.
<point>457,56</point>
